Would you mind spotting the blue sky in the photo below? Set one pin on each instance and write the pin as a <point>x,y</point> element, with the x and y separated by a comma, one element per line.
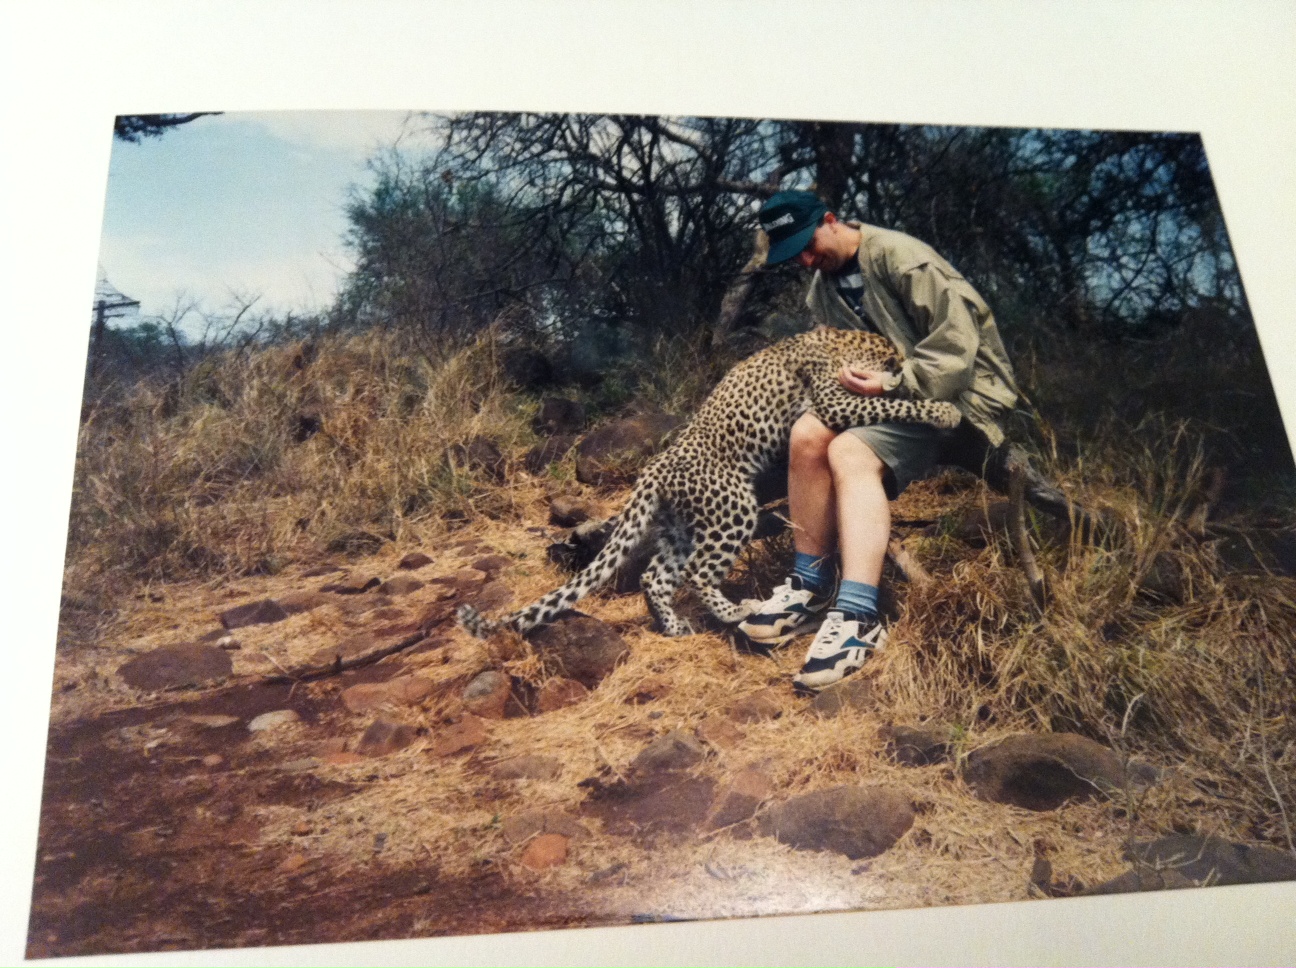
<point>244,204</point>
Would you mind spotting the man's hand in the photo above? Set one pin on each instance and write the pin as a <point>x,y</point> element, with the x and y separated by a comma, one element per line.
<point>867,383</point>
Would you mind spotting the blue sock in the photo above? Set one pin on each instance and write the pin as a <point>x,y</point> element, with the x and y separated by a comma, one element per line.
<point>815,571</point>
<point>857,598</point>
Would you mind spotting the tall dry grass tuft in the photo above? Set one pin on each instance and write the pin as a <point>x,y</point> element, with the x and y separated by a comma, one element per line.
<point>1149,643</point>
<point>256,458</point>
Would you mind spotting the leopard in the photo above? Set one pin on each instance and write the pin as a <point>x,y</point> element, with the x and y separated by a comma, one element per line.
<point>697,500</point>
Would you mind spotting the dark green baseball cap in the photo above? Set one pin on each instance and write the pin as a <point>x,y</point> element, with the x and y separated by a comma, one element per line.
<point>789,219</point>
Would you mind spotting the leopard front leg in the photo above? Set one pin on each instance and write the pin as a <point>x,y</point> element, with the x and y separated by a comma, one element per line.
<point>840,409</point>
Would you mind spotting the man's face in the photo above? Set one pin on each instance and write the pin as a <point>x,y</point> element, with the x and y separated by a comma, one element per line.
<point>826,249</point>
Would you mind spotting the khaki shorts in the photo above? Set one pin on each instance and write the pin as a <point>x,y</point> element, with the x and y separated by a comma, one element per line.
<point>909,451</point>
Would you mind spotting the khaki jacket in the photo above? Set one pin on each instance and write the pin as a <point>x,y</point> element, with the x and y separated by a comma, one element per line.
<point>922,305</point>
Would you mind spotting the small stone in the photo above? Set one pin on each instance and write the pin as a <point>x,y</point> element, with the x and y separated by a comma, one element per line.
<point>212,760</point>
<point>854,821</point>
<point>384,737</point>
<point>917,746</point>
<point>648,689</point>
<point>467,580</point>
<point>400,585</point>
<point>263,612</point>
<point>488,694</point>
<point>414,561</point>
<point>297,602</point>
<point>528,768</point>
<point>739,799</point>
<point>342,758</point>
<point>276,719</point>
<point>558,693</point>
<point>228,643</point>
<point>293,863</point>
<point>493,596</point>
<point>547,850</point>
<point>349,648</point>
<point>523,826</point>
<point>459,737</point>
<point>352,586</point>
<point>175,666</point>
<point>755,707</point>
<point>675,750</point>
<point>855,692</point>
<point>301,828</point>
<point>320,570</point>
<point>491,564</point>
<point>401,691</point>
<point>720,732</point>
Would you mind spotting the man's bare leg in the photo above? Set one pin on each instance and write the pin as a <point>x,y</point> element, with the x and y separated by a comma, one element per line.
<point>811,503</point>
<point>863,512</point>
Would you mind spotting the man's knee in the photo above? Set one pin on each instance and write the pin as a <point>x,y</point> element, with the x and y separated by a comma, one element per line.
<point>809,442</point>
<point>849,456</point>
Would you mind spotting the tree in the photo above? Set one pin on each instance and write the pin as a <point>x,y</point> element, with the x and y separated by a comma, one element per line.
<point>133,127</point>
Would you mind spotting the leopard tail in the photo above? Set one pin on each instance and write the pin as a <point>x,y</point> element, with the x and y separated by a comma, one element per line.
<point>633,526</point>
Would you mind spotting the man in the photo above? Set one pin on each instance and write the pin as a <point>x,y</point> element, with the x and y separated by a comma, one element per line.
<point>839,486</point>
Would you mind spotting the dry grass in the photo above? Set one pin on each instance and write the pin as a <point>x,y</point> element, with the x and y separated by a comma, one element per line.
<point>202,493</point>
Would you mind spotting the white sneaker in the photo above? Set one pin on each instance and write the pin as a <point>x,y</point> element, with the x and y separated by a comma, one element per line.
<point>839,649</point>
<point>790,610</point>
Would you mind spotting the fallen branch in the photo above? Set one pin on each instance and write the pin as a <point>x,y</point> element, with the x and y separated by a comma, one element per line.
<point>340,665</point>
<point>914,573</point>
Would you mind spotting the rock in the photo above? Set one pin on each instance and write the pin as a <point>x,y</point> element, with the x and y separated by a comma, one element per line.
<point>567,511</point>
<point>383,737</point>
<point>1041,772</point>
<point>478,454</point>
<point>547,850</point>
<point>528,768</point>
<point>584,648</point>
<point>301,828</point>
<point>538,458</point>
<point>414,561</point>
<point>521,827</point>
<point>274,720</point>
<point>400,585</point>
<point>739,799</point>
<point>675,750</point>
<point>173,666</point>
<point>1210,860</point>
<point>348,648</point>
<point>558,693</point>
<point>493,596</point>
<point>559,416</point>
<point>229,643</point>
<point>402,691</point>
<point>264,612</point>
<point>850,820</point>
<point>756,706</point>
<point>342,758</point>
<point>917,746</point>
<point>615,453</point>
<point>1143,879</point>
<point>720,732</point>
<point>212,760</point>
<point>297,602</point>
<point>491,565</point>
<point>489,695</point>
<point>648,689</point>
<point>352,586</point>
<point>465,581</point>
<point>459,737</point>
<point>855,692</point>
